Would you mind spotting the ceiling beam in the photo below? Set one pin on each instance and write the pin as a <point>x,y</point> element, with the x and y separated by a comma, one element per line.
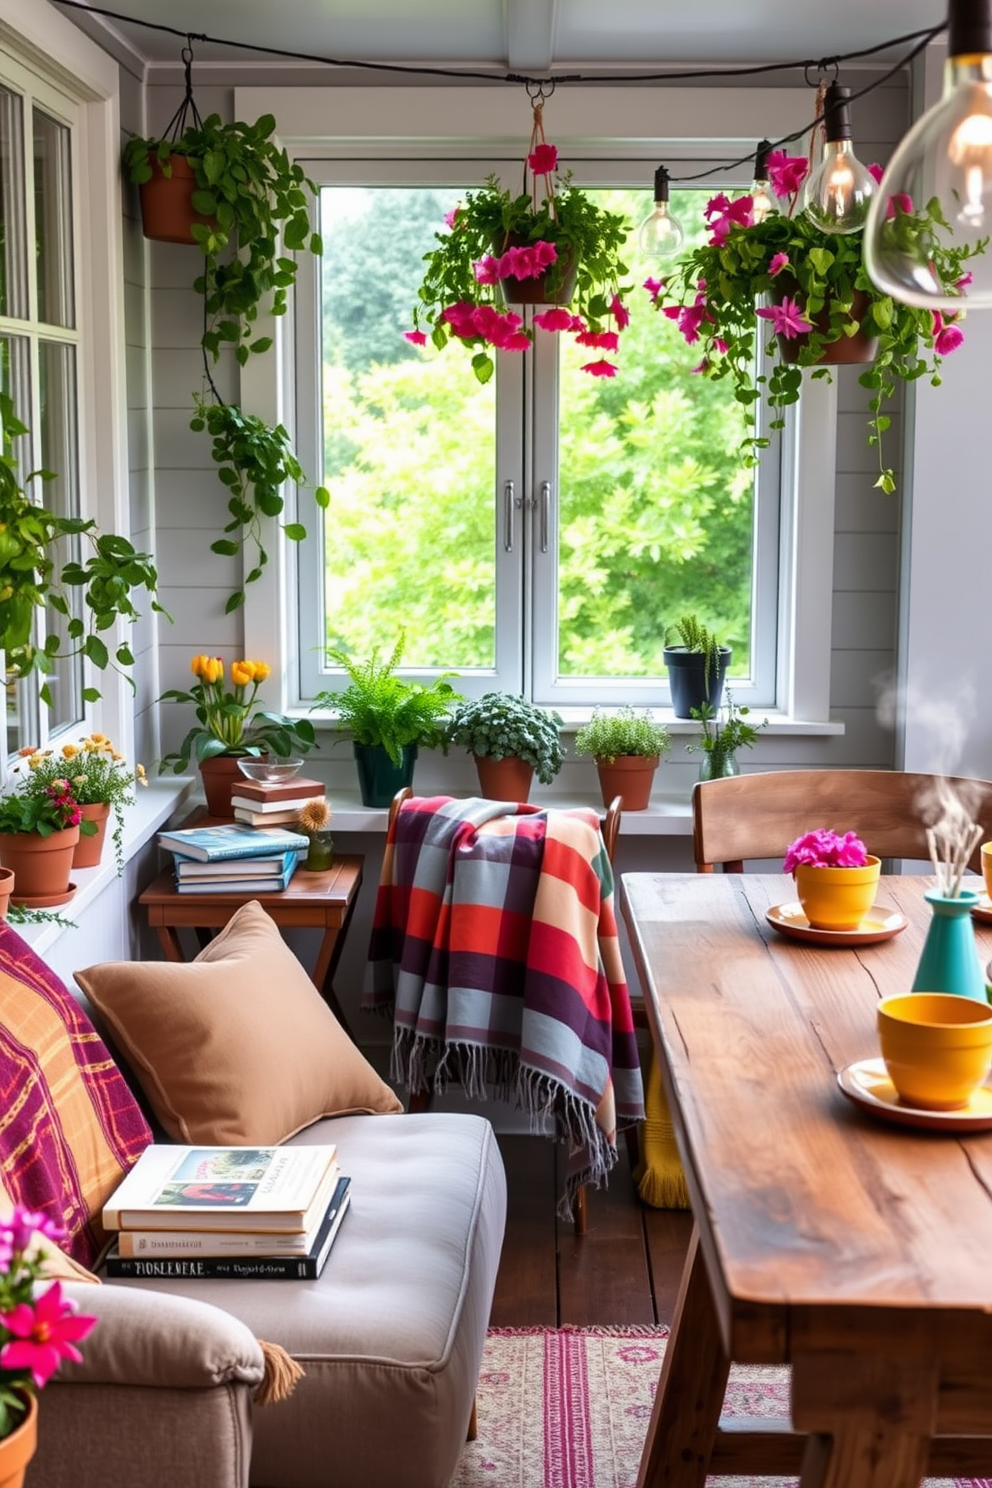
<point>530,34</point>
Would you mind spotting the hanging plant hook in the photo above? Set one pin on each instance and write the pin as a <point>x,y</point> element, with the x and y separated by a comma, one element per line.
<point>538,91</point>
<point>827,70</point>
<point>187,113</point>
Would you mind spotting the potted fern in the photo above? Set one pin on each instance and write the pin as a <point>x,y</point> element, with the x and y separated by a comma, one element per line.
<point>628,747</point>
<point>697,665</point>
<point>389,718</point>
<point>510,740</point>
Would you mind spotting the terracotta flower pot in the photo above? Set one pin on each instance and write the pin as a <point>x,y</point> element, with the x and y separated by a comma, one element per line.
<point>506,779</point>
<point>167,203</point>
<point>535,291</point>
<point>6,889</point>
<point>41,865</point>
<point>844,352</point>
<point>630,776</point>
<point>17,1449</point>
<point>89,850</point>
<point>218,775</point>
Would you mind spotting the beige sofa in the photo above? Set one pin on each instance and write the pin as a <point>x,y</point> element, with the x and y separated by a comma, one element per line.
<point>390,1336</point>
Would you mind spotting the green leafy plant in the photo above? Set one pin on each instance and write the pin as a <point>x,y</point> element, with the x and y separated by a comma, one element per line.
<point>496,236</point>
<point>818,291</point>
<point>256,201</point>
<point>36,579</point>
<point>97,774</point>
<point>725,730</point>
<point>19,914</point>
<point>499,725</point>
<point>694,636</point>
<point>378,707</point>
<point>32,805</point>
<point>629,731</point>
<point>226,723</point>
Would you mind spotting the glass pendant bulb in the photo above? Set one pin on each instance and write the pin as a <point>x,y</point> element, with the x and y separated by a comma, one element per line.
<point>660,235</point>
<point>762,196</point>
<point>947,155</point>
<point>838,193</point>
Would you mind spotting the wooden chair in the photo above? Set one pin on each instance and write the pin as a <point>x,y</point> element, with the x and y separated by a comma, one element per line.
<point>757,816</point>
<point>421,1100</point>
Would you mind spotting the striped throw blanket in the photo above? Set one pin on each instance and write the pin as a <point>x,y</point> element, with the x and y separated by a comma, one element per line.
<point>494,946</point>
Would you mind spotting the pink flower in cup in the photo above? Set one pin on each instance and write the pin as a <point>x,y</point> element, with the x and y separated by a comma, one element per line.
<point>823,848</point>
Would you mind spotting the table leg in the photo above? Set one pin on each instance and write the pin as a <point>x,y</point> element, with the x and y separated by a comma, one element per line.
<point>871,1419</point>
<point>168,939</point>
<point>328,956</point>
<point>690,1394</point>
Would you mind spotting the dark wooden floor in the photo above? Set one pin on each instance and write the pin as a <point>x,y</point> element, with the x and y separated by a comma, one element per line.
<point>625,1269</point>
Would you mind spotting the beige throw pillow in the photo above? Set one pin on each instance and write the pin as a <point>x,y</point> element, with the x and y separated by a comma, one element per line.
<point>237,1047</point>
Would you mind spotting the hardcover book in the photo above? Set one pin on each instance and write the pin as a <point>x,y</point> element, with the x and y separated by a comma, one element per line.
<point>270,819</point>
<point>224,1188</point>
<point>265,793</point>
<point>267,867</point>
<point>276,1266</point>
<point>273,884</point>
<point>213,844</point>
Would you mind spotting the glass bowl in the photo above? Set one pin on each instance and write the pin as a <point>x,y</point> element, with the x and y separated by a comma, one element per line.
<point>275,771</point>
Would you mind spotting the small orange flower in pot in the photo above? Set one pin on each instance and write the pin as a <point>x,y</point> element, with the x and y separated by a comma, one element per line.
<point>836,878</point>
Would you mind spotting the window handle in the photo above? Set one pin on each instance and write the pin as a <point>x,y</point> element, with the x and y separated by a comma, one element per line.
<point>545,515</point>
<point>508,504</point>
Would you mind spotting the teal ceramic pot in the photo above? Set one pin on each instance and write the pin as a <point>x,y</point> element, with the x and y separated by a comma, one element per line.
<point>378,778</point>
<point>950,955</point>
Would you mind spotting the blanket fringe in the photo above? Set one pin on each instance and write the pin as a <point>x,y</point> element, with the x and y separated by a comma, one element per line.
<point>282,1374</point>
<point>660,1177</point>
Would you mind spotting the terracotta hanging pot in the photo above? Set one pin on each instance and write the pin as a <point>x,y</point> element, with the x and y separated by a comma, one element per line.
<point>535,291</point>
<point>630,776</point>
<point>219,774</point>
<point>41,866</point>
<point>506,779</point>
<point>847,351</point>
<point>6,889</point>
<point>89,850</point>
<point>17,1449</point>
<point>167,213</point>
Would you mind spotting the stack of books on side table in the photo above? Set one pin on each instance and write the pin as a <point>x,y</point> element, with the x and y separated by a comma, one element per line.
<point>267,803</point>
<point>234,859</point>
<point>227,1212</point>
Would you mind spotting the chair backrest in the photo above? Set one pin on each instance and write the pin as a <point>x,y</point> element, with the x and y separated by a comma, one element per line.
<point>757,816</point>
<point>611,822</point>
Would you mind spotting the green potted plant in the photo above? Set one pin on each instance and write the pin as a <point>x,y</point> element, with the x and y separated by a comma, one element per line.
<point>628,746</point>
<point>550,245</point>
<point>511,741</point>
<point>247,212</point>
<point>697,665</point>
<point>101,782</point>
<point>724,732</point>
<point>230,725</point>
<point>813,292</point>
<point>389,719</point>
<point>40,825</point>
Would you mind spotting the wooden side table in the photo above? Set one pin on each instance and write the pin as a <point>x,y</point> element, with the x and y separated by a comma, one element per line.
<point>311,901</point>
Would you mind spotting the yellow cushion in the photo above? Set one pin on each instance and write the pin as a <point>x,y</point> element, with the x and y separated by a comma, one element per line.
<point>236,1047</point>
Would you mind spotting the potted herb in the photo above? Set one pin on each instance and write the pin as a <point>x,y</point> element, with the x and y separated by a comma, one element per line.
<point>549,245</point>
<point>724,732</point>
<point>836,878</point>
<point>697,665</point>
<point>813,293</point>
<point>501,729</point>
<point>230,725</point>
<point>628,748</point>
<point>100,781</point>
<point>389,719</point>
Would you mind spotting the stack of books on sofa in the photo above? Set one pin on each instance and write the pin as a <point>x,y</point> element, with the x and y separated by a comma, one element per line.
<point>234,859</point>
<point>227,1212</point>
<point>272,803</point>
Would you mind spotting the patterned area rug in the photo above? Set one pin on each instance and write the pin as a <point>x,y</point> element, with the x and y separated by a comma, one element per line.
<point>569,1408</point>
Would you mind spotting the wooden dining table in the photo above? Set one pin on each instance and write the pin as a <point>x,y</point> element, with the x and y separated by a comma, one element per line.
<point>855,1250</point>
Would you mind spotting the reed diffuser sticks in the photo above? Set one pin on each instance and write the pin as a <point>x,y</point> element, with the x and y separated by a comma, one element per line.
<point>951,844</point>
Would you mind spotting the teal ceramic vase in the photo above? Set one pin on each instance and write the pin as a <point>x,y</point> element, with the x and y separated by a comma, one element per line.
<point>378,778</point>
<point>950,956</point>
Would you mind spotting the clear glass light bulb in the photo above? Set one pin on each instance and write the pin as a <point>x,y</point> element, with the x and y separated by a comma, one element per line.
<point>838,193</point>
<point>947,155</point>
<point>764,204</point>
<point>660,235</point>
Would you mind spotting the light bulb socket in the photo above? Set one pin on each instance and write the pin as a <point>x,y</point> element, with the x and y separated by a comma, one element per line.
<point>837,113</point>
<point>761,155</point>
<point>969,27</point>
<point>661,180</point>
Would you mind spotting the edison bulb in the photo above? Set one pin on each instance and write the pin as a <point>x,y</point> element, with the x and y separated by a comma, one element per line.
<point>763,203</point>
<point>660,235</point>
<point>838,193</point>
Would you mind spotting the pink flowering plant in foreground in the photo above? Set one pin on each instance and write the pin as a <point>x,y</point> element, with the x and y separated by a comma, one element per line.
<point>39,1326</point>
<point>793,286</point>
<point>495,239</point>
<point>826,849</point>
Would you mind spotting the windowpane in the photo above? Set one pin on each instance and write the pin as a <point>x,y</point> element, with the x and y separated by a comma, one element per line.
<point>13,291</point>
<point>409,446</point>
<point>59,453</point>
<point>15,382</point>
<point>53,220</point>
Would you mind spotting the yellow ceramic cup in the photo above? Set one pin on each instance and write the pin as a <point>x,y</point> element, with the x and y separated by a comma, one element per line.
<point>837,898</point>
<point>937,1047</point>
<point>987,867</point>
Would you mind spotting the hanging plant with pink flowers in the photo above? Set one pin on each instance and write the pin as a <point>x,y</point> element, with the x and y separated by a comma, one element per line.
<point>551,245</point>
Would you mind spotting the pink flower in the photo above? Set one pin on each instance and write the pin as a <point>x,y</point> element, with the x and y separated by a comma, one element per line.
<point>556,319</point>
<point>543,159</point>
<point>964,281</point>
<point>786,318</point>
<point>44,1334</point>
<point>497,327</point>
<point>876,172</point>
<point>600,369</point>
<point>460,318</point>
<point>654,288</point>
<point>619,312</point>
<point>605,340</point>
<point>486,270</point>
<point>691,317</point>
<point>719,344</point>
<point>724,214</point>
<point>452,217</point>
<point>947,336</point>
<point>826,849</point>
<point>778,263</point>
<point>526,262</point>
<point>514,341</point>
<point>786,172</point>
<point>416,337</point>
<point>703,366</point>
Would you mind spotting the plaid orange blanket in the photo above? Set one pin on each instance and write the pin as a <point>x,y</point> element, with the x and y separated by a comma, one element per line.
<point>494,945</point>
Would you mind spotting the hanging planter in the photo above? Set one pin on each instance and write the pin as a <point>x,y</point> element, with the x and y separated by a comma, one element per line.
<point>846,350</point>
<point>167,211</point>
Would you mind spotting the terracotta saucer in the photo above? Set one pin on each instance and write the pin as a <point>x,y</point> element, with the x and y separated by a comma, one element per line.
<point>983,909</point>
<point>43,901</point>
<point>878,924</point>
<point>867,1084</point>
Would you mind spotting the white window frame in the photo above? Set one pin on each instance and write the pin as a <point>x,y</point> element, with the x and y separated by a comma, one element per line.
<point>705,125</point>
<point>37,38</point>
